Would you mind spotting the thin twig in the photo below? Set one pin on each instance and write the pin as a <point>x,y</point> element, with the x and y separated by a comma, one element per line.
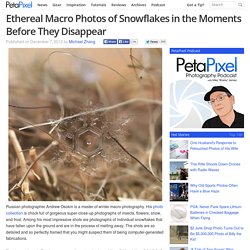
<point>132,156</point>
<point>132,58</point>
<point>103,184</point>
<point>36,168</point>
<point>49,176</point>
<point>60,102</point>
<point>151,154</point>
<point>25,107</point>
<point>19,184</point>
<point>17,147</point>
<point>95,111</point>
<point>82,59</point>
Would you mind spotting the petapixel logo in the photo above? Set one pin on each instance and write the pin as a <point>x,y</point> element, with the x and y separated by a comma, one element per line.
<point>19,4</point>
<point>209,65</point>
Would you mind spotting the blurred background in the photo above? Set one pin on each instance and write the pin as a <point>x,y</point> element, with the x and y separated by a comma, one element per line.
<point>103,109</point>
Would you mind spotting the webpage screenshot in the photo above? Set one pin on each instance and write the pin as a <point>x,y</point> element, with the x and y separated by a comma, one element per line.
<point>126,124</point>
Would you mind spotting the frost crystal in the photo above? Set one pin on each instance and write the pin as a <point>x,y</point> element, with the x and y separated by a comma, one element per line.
<point>90,135</point>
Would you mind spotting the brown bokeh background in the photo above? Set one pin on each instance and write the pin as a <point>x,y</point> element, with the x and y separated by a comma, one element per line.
<point>49,84</point>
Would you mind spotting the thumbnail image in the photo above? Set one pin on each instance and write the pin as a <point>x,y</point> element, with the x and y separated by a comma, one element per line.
<point>178,191</point>
<point>179,170</point>
<point>178,213</point>
<point>178,149</point>
<point>222,101</point>
<point>82,123</point>
<point>192,105</point>
<point>178,234</point>
<point>178,248</point>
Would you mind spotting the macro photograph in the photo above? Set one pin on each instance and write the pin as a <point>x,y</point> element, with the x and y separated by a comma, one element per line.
<point>85,124</point>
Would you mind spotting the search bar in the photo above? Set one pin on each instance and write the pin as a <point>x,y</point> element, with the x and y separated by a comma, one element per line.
<point>226,4</point>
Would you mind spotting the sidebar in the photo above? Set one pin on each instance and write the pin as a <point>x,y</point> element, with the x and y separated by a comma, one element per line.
<point>207,149</point>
